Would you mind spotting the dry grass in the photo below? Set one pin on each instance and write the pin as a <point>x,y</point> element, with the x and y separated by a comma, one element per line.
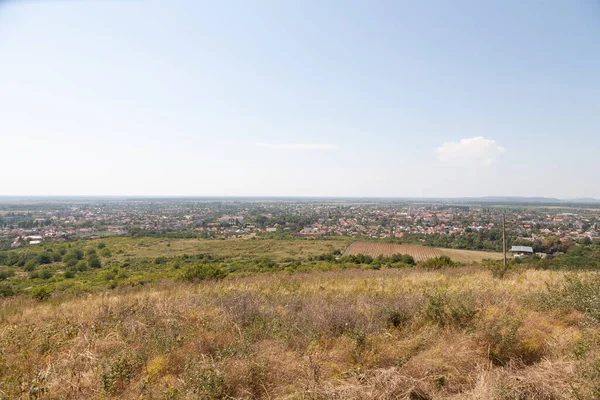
<point>470,256</point>
<point>388,334</point>
<point>240,248</point>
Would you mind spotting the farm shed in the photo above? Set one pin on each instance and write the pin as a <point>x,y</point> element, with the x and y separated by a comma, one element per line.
<point>519,251</point>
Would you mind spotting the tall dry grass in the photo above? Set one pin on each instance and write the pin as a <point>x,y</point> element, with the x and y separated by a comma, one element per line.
<point>389,334</point>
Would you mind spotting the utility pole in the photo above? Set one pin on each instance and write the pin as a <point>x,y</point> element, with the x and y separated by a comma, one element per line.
<point>504,238</point>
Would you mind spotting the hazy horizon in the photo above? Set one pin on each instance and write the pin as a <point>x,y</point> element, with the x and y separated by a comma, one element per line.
<point>279,99</point>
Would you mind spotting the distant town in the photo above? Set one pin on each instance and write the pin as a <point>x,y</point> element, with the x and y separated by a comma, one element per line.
<point>31,223</point>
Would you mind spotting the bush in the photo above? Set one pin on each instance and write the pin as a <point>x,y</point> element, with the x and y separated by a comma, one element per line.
<point>56,256</point>
<point>30,265</point>
<point>46,274</point>
<point>6,273</point>
<point>496,267</point>
<point>199,272</point>
<point>41,293</point>
<point>81,266</point>
<point>438,262</point>
<point>7,289</point>
<point>94,262</point>
<point>117,374</point>
<point>44,258</point>
<point>578,294</point>
<point>105,253</point>
<point>446,309</point>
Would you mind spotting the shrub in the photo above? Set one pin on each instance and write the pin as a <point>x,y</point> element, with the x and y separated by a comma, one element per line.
<point>105,253</point>
<point>46,274</point>
<point>41,293</point>
<point>117,374</point>
<point>496,267</point>
<point>7,289</point>
<point>446,309</point>
<point>198,272</point>
<point>44,258</point>
<point>6,273</point>
<point>81,266</point>
<point>56,256</point>
<point>94,262</point>
<point>30,265</point>
<point>578,294</point>
<point>438,262</point>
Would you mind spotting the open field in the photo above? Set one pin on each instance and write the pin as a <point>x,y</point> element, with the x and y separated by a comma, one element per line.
<point>235,248</point>
<point>419,253</point>
<point>470,256</point>
<point>390,334</point>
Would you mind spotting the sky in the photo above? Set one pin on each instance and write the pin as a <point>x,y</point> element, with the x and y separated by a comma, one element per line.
<point>300,98</point>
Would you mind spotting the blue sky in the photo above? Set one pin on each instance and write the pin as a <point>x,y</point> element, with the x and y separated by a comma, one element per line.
<point>311,98</point>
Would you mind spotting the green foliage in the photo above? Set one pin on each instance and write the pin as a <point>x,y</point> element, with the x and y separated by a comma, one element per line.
<point>6,273</point>
<point>579,294</point>
<point>46,274</point>
<point>117,374</point>
<point>69,274</point>
<point>496,267</point>
<point>502,337</point>
<point>41,293</point>
<point>30,265</point>
<point>81,266</point>
<point>357,259</point>
<point>445,309</point>
<point>94,262</point>
<point>44,258</point>
<point>105,252</point>
<point>8,289</point>
<point>438,262</point>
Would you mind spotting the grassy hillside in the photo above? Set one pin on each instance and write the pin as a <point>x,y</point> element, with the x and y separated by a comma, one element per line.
<point>242,248</point>
<point>390,334</point>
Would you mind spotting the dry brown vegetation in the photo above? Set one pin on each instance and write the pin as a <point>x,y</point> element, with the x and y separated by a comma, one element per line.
<point>470,256</point>
<point>390,334</point>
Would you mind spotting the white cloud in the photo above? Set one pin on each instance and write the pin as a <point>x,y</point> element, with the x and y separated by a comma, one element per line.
<point>298,146</point>
<point>478,150</point>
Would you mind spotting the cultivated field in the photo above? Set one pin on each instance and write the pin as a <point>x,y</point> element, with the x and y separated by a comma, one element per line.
<point>374,249</point>
<point>419,253</point>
